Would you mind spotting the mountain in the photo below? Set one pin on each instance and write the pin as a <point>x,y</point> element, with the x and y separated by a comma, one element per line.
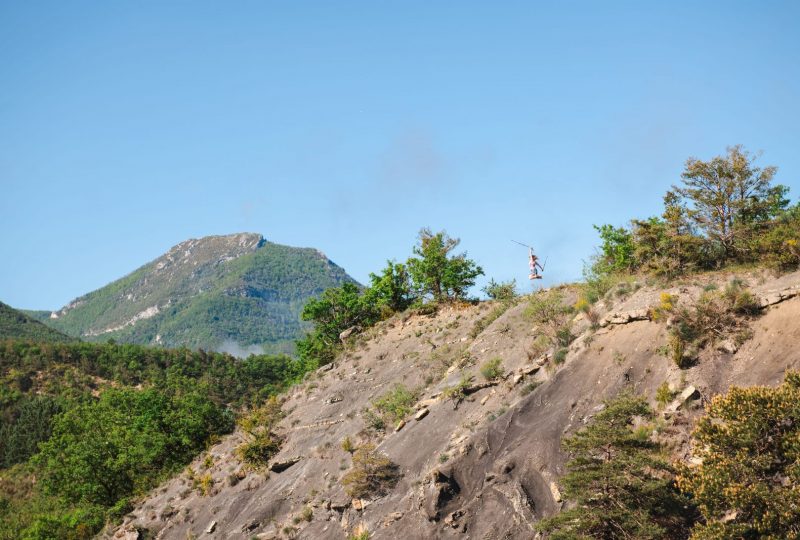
<point>17,325</point>
<point>237,293</point>
<point>476,454</point>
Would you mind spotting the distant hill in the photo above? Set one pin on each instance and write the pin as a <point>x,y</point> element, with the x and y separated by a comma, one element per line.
<point>17,325</point>
<point>236,293</point>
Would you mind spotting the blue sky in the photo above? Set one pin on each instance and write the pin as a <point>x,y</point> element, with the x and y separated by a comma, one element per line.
<point>127,127</point>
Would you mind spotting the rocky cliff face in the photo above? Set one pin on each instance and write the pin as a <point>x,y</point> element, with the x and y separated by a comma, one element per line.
<point>489,468</point>
<point>219,291</point>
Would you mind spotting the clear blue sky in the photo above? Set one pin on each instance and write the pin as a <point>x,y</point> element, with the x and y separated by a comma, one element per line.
<point>127,127</point>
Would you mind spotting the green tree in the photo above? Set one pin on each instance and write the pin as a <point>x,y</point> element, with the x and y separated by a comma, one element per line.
<point>392,287</point>
<point>336,310</point>
<point>727,195</point>
<point>780,245</point>
<point>616,249</point>
<point>437,273</point>
<point>103,451</point>
<point>619,482</point>
<point>748,450</point>
<point>19,439</point>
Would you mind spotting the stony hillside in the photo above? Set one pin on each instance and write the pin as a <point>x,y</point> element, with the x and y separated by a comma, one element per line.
<point>236,293</point>
<point>486,467</point>
<point>17,325</point>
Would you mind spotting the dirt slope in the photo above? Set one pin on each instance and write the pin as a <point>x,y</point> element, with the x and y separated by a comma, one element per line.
<point>488,469</point>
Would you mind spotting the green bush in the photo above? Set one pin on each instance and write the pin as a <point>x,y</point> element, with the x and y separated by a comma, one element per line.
<point>560,356</point>
<point>492,369</point>
<point>504,290</point>
<point>396,404</point>
<point>261,442</point>
<point>338,309</point>
<point>125,442</point>
<point>664,395</point>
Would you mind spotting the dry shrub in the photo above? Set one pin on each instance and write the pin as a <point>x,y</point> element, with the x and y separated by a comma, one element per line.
<point>373,474</point>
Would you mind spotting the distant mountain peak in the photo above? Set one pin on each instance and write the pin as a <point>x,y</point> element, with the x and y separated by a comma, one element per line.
<point>203,292</point>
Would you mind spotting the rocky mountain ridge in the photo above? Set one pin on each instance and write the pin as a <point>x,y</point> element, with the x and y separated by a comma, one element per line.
<point>484,463</point>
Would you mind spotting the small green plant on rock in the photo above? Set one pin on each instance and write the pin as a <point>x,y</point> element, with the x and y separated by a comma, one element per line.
<point>457,392</point>
<point>396,404</point>
<point>492,369</point>
<point>347,445</point>
<point>664,394</point>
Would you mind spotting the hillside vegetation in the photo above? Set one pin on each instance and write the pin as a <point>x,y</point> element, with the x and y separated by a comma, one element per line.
<point>568,413</point>
<point>87,426</point>
<point>656,399</point>
<point>17,325</point>
<point>214,293</point>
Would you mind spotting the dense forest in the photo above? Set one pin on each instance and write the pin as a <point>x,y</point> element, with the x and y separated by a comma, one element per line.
<point>97,424</point>
<point>18,325</point>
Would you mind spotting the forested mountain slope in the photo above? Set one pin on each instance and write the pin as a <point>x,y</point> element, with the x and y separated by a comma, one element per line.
<point>15,324</point>
<point>216,293</point>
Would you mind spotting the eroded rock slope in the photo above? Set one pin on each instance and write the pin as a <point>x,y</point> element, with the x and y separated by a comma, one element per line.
<point>488,468</point>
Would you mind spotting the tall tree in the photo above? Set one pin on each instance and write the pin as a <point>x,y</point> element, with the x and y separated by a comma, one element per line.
<point>392,287</point>
<point>619,482</point>
<point>437,273</point>
<point>726,194</point>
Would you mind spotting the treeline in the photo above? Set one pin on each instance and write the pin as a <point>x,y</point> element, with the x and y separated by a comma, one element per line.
<point>433,275</point>
<point>741,481</point>
<point>726,211</point>
<point>97,424</point>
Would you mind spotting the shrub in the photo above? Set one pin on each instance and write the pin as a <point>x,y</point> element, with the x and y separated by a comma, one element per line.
<point>664,394</point>
<point>714,316</point>
<point>262,443</point>
<point>372,474</point>
<point>530,387</point>
<point>548,310</point>
<point>307,514</point>
<point>457,393</point>
<point>740,299</point>
<point>347,445</point>
<point>392,288</point>
<point>560,356</point>
<point>666,305</point>
<point>505,290</point>
<point>492,369</point>
<point>204,484</point>
<point>336,310</point>
<point>361,533</point>
<point>395,405</point>
<point>374,421</point>
<point>676,349</point>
